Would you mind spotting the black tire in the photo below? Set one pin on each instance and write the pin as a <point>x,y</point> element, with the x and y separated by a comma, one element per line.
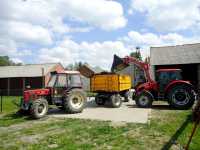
<point>144,100</point>
<point>99,100</point>
<point>181,97</point>
<point>39,108</point>
<point>115,101</point>
<point>75,101</point>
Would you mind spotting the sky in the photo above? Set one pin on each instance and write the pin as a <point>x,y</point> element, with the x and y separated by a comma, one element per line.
<point>92,31</point>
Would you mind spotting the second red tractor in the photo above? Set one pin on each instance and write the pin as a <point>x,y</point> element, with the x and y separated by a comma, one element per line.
<point>168,85</point>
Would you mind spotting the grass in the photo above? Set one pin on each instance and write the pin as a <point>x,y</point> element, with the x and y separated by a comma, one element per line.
<point>8,103</point>
<point>71,134</point>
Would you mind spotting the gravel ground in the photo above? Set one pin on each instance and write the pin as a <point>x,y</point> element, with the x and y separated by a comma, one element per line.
<point>128,112</point>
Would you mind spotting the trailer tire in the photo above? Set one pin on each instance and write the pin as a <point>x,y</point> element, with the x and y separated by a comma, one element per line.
<point>115,101</point>
<point>99,100</point>
<point>75,101</point>
<point>181,97</point>
<point>144,99</point>
<point>39,108</point>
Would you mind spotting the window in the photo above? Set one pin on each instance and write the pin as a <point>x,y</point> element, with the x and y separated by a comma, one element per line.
<point>74,80</point>
<point>52,81</point>
<point>61,81</point>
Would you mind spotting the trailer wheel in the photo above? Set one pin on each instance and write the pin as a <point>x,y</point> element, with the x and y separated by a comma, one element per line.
<point>144,99</point>
<point>115,100</point>
<point>181,97</point>
<point>99,100</point>
<point>39,108</point>
<point>75,101</point>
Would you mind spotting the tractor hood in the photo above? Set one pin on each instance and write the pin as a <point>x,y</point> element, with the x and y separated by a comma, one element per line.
<point>118,64</point>
<point>37,92</point>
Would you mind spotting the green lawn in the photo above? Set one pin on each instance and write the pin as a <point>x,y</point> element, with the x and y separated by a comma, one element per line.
<point>50,133</point>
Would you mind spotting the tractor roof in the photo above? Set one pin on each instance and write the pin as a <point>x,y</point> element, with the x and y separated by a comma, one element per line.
<point>66,72</point>
<point>70,72</point>
<point>168,70</point>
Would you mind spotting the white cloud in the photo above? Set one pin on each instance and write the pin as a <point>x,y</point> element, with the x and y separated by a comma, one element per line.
<point>170,15</point>
<point>40,23</point>
<point>147,40</point>
<point>101,53</point>
<point>105,14</point>
<point>94,53</point>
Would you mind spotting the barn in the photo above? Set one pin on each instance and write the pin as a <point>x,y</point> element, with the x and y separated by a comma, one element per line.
<point>14,79</point>
<point>185,57</point>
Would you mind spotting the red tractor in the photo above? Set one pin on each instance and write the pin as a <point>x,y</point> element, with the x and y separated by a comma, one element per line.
<point>63,90</point>
<point>168,85</point>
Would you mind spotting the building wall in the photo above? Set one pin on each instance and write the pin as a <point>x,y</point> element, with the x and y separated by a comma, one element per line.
<point>16,86</point>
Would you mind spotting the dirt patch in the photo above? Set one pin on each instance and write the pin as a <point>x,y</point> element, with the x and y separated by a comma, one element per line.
<point>33,139</point>
<point>117,124</point>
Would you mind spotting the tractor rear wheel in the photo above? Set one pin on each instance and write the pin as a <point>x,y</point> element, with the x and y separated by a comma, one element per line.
<point>144,99</point>
<point>181,97</point>
<point>99,100</point>
<point>115,101</point>
<point>75,101</point>
<point>39,108</point>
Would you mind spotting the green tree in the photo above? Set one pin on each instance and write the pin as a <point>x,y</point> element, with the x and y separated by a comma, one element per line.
<point>75,66</point>
<point>5,61</point>
<point>136,54</point>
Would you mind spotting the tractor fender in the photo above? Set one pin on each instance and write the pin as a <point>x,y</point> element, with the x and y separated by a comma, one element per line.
<point>148,86</point>
<point>177,82</point>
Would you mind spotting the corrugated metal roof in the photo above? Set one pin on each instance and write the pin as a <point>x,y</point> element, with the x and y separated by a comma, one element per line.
<point>29,70</point>
<point>180,54</point>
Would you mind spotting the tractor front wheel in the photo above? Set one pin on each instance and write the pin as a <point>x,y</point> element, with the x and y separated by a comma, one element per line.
<point>144,99</point>
<point>181,97</point>
<point>39,108</point>
<point>75,101</point>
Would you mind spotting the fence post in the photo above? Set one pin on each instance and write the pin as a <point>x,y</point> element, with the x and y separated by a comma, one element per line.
<point>1,101</point>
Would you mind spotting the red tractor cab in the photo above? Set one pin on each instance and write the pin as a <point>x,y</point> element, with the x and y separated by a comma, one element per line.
<point>168,85</point>
<point>63,90</point>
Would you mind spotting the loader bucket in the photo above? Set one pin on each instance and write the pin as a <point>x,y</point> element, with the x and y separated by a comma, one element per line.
<point>118,64</point>
<point>86,71</point>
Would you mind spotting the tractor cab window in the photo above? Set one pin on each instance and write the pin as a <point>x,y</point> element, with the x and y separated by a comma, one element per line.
<point>74,80</point>
<point>52,81</point>
<point>61,81</point>
<point>176,75</point>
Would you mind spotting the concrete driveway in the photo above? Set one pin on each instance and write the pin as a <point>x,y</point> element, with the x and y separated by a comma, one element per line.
<point>128,112</point>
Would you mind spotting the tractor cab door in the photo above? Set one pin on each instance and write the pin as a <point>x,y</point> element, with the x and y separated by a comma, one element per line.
<point>165,77</point>
<point>60,85</point>
<point>163,80</point>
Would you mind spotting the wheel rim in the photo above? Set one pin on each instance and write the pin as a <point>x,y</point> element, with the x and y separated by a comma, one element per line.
<point>76,101</point>
<point>180,97</point>
<point>143,100</point>
<point>41,109</point>
<point>117,101</point>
